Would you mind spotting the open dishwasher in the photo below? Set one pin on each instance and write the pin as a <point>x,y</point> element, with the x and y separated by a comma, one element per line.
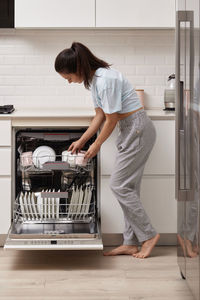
<point>55,194</point>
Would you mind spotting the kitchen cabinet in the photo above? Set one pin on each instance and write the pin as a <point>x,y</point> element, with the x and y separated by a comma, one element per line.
<point>5,133</point>
<point>5,204</point>
<point>5,161</point>
<point>158,199</point>
<point>134,13</point>
<point>6,13</point>
<point>94,13</point>
<point>161,160</point>
<point>54,13</point>
<point>157,188</point>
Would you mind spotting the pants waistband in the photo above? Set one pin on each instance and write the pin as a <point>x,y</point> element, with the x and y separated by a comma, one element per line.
<point>130,119</point>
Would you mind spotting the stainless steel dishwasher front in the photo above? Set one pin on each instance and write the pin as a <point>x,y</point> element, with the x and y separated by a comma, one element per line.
<point>55,196</point>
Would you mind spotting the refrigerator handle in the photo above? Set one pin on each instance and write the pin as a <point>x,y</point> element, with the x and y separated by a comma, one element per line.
<point>182,16</point>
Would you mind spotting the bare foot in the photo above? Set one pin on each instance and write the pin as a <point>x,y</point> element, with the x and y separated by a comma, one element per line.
<point>182,244</point>
<point>187,247</point>
<point>123,249</point>
<point>196,249</point>
<point>190,252</point>
<point>147,247</point>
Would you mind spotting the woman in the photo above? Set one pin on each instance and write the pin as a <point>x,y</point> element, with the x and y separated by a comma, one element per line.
<point>116,102</point>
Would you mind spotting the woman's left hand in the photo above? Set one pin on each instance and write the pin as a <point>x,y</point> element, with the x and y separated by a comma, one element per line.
<point>93,150</point>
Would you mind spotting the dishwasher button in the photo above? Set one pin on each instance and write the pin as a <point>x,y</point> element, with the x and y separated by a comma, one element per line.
<point>53,242</point>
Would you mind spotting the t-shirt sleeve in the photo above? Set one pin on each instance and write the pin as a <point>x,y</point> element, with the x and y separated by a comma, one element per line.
<point>111,98</point>
<point>95,102</point>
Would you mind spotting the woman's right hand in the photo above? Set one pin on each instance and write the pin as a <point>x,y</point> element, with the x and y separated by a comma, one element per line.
<point>76,146</point>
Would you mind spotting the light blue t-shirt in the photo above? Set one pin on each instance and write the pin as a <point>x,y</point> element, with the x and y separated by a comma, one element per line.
<point>112,92</point>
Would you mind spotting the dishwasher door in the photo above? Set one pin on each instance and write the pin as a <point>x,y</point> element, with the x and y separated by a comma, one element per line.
<point>28,239</point>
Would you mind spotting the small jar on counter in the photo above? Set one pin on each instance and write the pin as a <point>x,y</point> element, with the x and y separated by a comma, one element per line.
<point>141,96</point>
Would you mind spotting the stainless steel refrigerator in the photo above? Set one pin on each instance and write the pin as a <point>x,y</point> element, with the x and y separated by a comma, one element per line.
<point>188,140</point>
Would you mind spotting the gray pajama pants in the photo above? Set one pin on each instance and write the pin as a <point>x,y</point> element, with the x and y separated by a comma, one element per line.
<point>134,143</point>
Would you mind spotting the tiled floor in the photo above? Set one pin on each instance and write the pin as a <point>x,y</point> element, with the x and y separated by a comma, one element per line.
<point>88,275</point>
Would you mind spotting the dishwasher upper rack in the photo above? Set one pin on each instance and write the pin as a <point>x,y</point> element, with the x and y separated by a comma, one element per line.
<point>33,164</point>
<point>54,207</point>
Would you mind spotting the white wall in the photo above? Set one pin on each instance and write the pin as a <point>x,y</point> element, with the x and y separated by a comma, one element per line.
<point>27,76</point>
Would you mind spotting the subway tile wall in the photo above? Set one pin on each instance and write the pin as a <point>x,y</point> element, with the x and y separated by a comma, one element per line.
<point>28,78</point>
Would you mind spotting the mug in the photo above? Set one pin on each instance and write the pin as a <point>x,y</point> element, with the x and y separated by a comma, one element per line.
<point>26,159</point>
<point>80,160</point>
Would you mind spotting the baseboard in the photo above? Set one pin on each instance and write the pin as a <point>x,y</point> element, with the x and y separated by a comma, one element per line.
<point>2,239</point>
<point>166,239</point>
<point>115,239</point>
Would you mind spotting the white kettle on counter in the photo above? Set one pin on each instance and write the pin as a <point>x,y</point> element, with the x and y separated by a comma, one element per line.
<point>169,94</point>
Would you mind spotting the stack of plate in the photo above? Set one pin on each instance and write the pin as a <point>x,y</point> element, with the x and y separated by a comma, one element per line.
<point>33,207</point>
<point>42,155</point>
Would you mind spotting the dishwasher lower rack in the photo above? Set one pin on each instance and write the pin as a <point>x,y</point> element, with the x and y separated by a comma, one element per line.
<point>55,207</point>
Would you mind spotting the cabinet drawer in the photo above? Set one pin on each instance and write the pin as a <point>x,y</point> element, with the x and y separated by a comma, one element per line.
<point>5,205</point>
<point>5,161</point>
<point>5,133</point>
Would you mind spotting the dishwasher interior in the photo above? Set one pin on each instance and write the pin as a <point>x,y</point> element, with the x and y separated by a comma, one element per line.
<point>55,191</point>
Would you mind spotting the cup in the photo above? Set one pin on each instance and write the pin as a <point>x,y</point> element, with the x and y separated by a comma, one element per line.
<point>71,159</point>
<point>26,159</point>
<point>65,155</point>
<point>80,160</point>
<point>140,94</point>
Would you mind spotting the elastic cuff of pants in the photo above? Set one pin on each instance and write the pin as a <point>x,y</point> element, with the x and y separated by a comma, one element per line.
<point>130,243</point>
<point>148,237</point>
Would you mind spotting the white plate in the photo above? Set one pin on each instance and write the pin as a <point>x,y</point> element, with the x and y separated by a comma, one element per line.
<point>80,201</point>
<point>39,205</point>
<point>84,202</point>
<point>34,205</point>
<point>49,203</point>
<point>57,207</point>
<point>26,210</point>
<point>88,201</point>
<point>31,216</point>
<point>43,154</point>
<point>21,202</point>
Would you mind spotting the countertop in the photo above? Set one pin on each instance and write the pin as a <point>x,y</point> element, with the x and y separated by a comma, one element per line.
<point>63,112</point>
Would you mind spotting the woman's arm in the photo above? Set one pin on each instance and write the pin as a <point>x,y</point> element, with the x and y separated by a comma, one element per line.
<point>109,125</point>
<point>92,129</point>
<point>94,126</point>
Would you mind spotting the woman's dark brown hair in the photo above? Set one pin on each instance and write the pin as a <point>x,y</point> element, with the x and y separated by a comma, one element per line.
<point>79,60</point>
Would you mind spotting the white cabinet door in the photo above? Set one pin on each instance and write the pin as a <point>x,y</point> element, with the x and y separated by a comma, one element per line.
<point>5,161</point>
<point>162,157</point>
<point>111,213</point>
<point>54,13</point>
<point>5,133</point>
<point>5,205</point>
<point>134,13</point>
<point>108,153</point>
<point>157,196</point>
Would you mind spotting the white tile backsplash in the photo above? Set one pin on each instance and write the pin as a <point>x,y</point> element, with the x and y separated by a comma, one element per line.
<point>28,78</point>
